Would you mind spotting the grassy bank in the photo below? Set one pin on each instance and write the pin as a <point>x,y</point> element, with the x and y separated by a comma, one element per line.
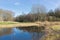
<point>3,23</point>
<point>56,27</point>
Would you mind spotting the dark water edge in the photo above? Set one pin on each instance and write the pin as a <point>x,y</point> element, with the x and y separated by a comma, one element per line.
<point>22,34</point>
<point>33,29</point>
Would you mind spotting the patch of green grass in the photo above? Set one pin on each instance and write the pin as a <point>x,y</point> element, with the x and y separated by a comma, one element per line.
<point>56,27</point>
<point>7,23</point>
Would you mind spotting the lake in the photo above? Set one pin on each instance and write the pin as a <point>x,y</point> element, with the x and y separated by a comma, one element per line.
<point>19,34</point>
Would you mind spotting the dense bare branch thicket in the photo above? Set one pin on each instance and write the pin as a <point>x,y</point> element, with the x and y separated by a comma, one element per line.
<point>54,15</point>
<point>6,15</point>
<point>38,13</point>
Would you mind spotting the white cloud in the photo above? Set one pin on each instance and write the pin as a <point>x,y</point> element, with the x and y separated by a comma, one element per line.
<point>16,3</point>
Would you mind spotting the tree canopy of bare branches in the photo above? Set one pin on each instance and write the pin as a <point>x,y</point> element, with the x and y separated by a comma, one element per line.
<point>6,15</point>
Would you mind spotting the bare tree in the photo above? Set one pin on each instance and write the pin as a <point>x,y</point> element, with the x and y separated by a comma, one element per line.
<point>6,15</point>
<point>40,11</point>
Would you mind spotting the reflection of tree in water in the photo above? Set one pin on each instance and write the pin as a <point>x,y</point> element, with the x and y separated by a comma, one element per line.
<point>4,31</point>
<point>32,29</point>
<point>36,32</point>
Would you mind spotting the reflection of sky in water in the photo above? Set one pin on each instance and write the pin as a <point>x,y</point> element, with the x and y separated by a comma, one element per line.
<point>17,35</point>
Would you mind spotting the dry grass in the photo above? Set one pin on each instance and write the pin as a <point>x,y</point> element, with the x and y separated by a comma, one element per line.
<point>17,24</point>
<point>56,27</point>
<point>51,37</point>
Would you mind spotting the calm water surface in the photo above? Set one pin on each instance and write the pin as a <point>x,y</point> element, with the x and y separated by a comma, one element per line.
<point>18,34</point>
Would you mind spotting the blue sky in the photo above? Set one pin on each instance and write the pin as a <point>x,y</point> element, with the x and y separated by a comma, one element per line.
<point>19,6</point>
